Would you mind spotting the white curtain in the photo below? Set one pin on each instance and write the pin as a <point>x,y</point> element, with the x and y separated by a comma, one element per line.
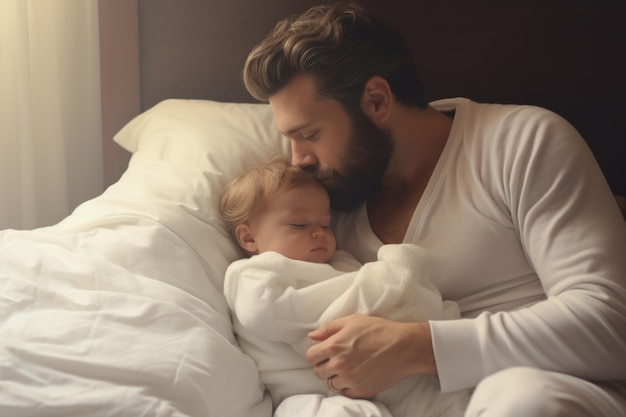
<point>50,126</point>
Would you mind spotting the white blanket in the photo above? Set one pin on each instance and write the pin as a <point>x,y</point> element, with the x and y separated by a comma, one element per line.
<point>114,315</point>
<point>277,301</point>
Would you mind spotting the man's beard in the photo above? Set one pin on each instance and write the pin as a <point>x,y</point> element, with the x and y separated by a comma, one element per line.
<point>362,164</point>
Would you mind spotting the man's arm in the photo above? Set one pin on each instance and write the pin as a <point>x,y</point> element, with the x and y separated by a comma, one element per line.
<point>575,240</point>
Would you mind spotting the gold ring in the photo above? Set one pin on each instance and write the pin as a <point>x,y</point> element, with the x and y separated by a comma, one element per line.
<point>331,387</point>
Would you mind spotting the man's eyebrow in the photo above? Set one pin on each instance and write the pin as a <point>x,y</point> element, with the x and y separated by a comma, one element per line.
<point>296,128</point>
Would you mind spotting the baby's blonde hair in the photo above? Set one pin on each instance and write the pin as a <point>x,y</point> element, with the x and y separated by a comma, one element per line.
<point>247,195</point>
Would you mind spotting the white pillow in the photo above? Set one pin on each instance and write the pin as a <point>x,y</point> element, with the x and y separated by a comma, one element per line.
<point>184,153</point>
<point>210,136</point>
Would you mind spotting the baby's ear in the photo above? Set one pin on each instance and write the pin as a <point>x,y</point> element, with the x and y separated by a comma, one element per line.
<point>245,238</point>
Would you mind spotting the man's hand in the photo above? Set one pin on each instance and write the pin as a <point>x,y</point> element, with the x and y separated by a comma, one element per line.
<point>368,355</point>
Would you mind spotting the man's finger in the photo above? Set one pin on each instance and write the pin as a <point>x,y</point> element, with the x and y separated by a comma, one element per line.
<point>325,331</point>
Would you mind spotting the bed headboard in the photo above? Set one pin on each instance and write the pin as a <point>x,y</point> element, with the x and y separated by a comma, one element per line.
<point>565,55</point>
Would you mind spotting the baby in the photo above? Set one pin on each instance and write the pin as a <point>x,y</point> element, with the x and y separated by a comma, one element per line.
<point>294,280</point>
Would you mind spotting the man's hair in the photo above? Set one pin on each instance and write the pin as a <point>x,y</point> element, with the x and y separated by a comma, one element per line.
<point>248,194</point>
<point>341,46</point>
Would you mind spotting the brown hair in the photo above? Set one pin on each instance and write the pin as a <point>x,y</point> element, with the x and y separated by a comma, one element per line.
<point>248,194</point>
<point>342,47</point>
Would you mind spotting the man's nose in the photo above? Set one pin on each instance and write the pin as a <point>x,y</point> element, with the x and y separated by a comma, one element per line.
<point>302,156</point>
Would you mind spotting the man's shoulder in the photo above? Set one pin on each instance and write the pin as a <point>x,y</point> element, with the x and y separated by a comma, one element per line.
<point>510,125</point>
<point>509,116</point>
<point>496,112</point>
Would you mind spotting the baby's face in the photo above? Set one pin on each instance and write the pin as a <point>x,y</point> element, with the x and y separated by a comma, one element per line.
<point>296,223</point>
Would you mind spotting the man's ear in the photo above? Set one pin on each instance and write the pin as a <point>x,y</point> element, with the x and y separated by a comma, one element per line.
<point>377,100</point>
<point>245,238</point>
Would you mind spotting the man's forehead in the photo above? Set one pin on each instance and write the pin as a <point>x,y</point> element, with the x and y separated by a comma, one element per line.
<point>296,105</point>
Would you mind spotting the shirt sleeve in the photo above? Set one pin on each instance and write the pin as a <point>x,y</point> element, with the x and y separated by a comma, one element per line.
<point>574,237</point>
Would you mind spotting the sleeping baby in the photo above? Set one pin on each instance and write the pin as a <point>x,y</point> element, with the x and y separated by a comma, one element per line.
<point>294,280</point>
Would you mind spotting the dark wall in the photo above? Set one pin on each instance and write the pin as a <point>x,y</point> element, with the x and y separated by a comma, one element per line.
<point>565,55</point>
<point>197,48</point>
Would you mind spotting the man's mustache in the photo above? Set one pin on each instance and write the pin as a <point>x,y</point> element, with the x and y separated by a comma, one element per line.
<point>324,175</point>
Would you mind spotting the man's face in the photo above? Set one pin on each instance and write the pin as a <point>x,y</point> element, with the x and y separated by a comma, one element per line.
<point>348,153</point>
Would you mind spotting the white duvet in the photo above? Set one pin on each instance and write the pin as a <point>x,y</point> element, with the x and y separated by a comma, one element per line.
<point>276,301</point>
<point>112,313</point>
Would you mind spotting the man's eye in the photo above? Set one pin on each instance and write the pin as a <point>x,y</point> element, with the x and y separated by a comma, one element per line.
<point>297,225</point>
<point>310,136</point>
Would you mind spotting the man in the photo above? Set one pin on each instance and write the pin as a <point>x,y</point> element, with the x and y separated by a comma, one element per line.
<point>529,239</point>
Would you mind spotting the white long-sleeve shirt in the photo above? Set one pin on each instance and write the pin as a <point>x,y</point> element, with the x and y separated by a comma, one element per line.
<point>529,242</point>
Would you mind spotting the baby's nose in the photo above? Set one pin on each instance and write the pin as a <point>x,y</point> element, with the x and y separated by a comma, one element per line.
<point>317,231</point>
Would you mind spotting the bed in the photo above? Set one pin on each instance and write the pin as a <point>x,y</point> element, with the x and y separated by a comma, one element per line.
<point>118,309</point>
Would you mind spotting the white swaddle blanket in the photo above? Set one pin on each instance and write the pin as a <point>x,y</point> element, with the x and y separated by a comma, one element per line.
<point>276,301</point>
